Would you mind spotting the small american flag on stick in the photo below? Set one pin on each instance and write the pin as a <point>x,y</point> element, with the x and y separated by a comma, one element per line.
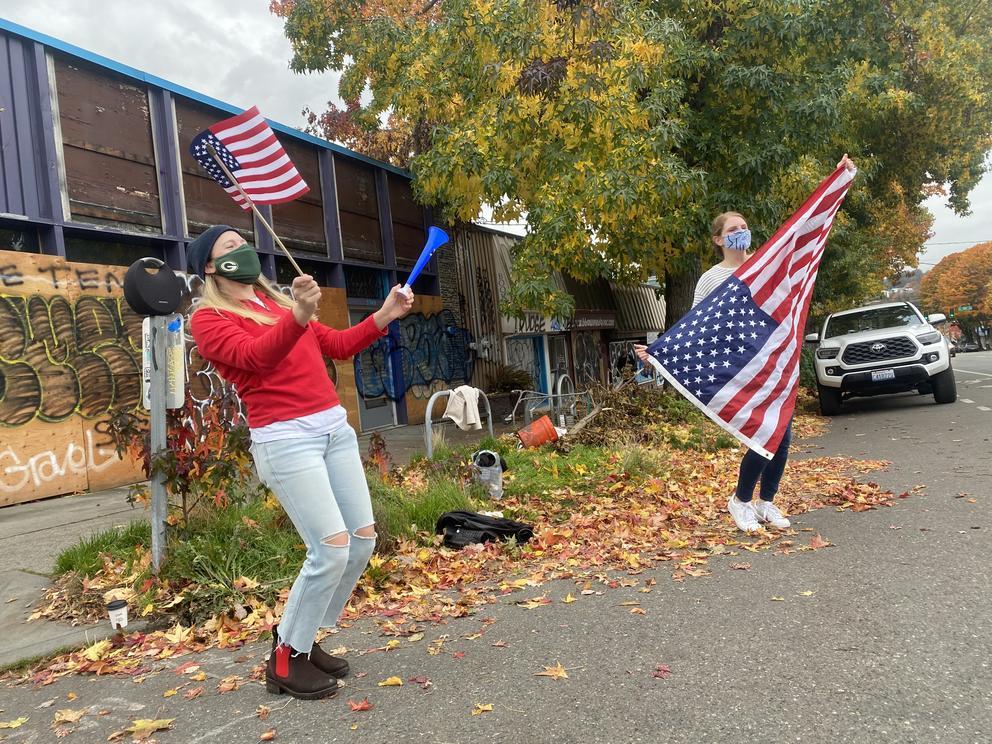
<point>249,149</point>
<point>736,354</point>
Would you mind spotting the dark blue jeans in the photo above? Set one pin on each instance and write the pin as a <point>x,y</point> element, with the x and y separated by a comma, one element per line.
<point>754,466</point>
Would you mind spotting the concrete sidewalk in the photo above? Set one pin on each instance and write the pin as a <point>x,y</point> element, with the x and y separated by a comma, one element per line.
<point>33,534</point>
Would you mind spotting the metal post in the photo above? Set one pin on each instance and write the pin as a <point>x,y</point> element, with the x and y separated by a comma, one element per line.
<point>157,383</point>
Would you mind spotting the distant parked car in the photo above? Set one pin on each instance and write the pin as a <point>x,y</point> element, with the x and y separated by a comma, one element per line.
<point>965,346</point>
<point>881,349</point>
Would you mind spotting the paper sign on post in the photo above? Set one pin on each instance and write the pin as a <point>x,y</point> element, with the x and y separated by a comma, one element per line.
<point>175,362</point>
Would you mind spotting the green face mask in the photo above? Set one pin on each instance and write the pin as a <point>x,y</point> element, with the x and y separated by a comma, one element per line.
<point>240,265</point>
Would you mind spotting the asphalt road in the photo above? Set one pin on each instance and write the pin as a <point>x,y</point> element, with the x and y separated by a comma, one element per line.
<point>893,645</point>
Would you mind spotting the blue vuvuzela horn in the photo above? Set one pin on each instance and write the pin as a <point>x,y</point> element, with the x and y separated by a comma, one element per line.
<point>436,237</point>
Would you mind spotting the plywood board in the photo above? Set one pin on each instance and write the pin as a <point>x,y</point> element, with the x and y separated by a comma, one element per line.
<point>69,353</point>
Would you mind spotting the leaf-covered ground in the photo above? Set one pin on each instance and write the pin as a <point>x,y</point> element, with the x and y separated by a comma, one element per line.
<point>601,517</point>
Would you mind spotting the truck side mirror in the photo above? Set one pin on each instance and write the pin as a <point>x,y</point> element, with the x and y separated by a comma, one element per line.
<point>812,338</point>
<point>935,318</point>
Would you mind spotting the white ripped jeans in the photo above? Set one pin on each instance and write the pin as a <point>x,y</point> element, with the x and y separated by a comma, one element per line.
<point>321,484</point>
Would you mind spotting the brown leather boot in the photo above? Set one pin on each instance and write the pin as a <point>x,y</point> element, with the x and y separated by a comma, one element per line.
<point>297,675</point>
<point>326,663</point>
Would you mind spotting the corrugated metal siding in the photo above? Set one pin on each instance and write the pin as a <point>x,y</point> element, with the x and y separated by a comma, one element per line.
<point>639,310</point>
<point>482,265</point>
<point>595,296</point>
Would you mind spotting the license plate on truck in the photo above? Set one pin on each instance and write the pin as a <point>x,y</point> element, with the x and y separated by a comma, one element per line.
<point>881,375</point>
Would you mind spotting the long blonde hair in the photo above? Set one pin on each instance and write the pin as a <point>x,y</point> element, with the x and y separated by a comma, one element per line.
<point>214,297</point>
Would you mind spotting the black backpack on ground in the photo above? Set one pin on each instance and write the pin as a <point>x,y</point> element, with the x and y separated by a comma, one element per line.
<point>461,528</point>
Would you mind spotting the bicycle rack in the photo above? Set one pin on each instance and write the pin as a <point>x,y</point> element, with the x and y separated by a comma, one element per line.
<point>557,406</point>
<point>428,422</point>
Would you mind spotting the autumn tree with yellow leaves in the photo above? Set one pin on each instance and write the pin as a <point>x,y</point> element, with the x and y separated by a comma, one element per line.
<point>961,280</point>
<point>619,128</point>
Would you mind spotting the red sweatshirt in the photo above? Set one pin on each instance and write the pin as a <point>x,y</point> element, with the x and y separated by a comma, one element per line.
<point>278,370</point>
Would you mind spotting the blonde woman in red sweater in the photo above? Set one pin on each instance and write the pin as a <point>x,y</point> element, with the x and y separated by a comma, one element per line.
<point>270,348</point>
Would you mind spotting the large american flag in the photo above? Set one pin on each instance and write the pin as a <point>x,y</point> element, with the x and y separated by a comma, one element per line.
<point>736,354</point>
<point>249,148</point>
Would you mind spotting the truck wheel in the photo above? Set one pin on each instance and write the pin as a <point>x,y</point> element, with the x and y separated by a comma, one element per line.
<point>829,400</point>
<point>945,390</point>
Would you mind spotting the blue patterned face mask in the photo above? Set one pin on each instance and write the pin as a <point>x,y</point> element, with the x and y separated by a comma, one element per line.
<point>739,240</point>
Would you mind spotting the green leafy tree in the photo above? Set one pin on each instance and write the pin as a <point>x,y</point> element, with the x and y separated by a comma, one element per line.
<point>620,128</point>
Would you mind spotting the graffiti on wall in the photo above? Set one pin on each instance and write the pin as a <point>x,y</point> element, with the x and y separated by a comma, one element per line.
<point>521,353</point>
<point>70,352</point>
<point>60,358</point>
<point>586,359</point>
<point>430,349</point>
<point>94,454</point>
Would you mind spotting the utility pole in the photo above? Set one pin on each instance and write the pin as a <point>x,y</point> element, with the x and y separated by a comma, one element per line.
<point>157,386</point>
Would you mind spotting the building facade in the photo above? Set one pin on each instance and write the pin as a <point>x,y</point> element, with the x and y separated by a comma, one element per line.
<point>96,173</point>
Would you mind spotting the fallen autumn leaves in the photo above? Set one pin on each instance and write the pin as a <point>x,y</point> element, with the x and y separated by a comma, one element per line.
<point>615,519</point>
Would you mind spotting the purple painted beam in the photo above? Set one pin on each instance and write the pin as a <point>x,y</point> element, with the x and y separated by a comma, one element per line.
<point>50,187</point>
<point>169,176</point>
<point>385,219</point>
<point>263,240</point>
<point>11,79</point>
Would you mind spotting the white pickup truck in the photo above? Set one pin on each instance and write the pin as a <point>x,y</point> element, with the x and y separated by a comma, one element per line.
<point>881,349</point>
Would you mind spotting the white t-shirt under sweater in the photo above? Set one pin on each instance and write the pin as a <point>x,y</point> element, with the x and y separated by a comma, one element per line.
<point>709,281</point>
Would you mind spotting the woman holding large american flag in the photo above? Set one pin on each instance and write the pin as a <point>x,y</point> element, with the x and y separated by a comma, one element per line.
<point>730,234</point>
<point>270,347</point>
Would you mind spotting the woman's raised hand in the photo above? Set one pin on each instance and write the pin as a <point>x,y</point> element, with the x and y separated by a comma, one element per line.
<point>396,305</point>
<point>306,292</point>
<point>642,352</point>
<point>847,163</point>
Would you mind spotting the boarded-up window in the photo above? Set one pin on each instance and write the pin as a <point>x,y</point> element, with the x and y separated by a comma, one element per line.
<point>408,221</point>
<point>98,251</point>
<point>358,207</point>
<point>206,202</point>
<point>18,238</point>
<point>364,284</point>
<point>286,272</point>
<point>300,223</point>
<point>107,146</point>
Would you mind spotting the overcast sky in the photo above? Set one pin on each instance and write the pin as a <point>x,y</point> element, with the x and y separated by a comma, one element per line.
<point>232,50</point>
<point>236,52</point>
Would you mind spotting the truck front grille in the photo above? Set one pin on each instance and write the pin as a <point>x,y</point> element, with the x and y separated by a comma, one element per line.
<point>867,352</point>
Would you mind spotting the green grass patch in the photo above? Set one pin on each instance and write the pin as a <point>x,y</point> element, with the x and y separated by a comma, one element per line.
<point>400,511</point>
<point>540,471</point>
<point>701,437</point>
<point>220,546</point>
<point>86,556</point>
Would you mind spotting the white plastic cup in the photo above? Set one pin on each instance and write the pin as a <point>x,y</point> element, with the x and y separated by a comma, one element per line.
<point>118,613</point>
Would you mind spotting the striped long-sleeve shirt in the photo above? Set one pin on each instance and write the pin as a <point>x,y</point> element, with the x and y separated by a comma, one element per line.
<point>710,280</point>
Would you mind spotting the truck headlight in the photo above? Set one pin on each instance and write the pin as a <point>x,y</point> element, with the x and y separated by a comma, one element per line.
<point>828,353</point>
<point>929,338</point>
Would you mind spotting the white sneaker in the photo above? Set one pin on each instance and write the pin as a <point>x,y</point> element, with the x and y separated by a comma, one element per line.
<point>744,514</point>
<point>768,512</point>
